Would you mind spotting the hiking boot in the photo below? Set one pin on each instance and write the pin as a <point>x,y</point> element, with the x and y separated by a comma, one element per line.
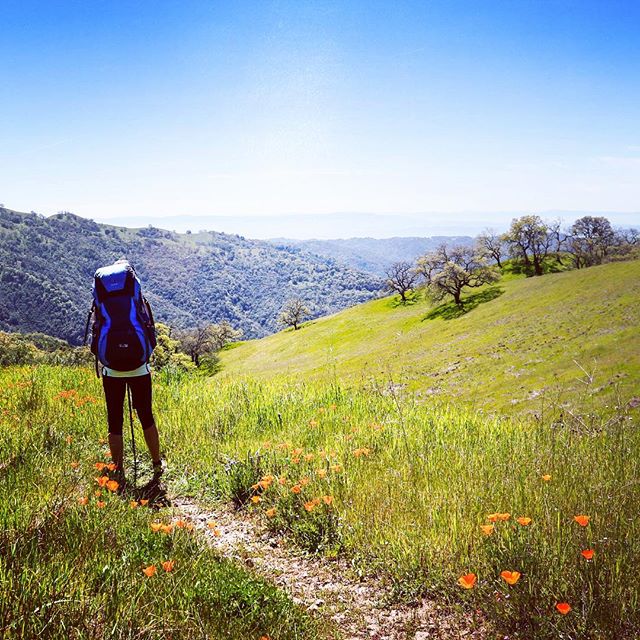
<point>159,469</point>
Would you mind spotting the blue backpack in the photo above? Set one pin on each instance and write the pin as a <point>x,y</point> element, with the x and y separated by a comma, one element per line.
<point>123,334</point>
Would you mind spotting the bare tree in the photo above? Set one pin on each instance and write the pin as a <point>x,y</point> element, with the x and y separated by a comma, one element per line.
<point>491,245</point>
<point>207,338</point>
<point>293,313</point>
<point>448,271</point>
<point>401,278</point>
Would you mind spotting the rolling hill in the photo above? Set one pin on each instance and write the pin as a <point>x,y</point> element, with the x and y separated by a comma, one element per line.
<point>47,264</point>
<point>526,342</point>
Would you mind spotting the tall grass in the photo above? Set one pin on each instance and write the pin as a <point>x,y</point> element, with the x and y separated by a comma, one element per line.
<point>409,486</point>
<point>75,570</point>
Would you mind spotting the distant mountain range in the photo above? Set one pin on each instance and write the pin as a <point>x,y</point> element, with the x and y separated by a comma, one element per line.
<point>371,254</point>
<point>47,264</point>
<point>357,225</point>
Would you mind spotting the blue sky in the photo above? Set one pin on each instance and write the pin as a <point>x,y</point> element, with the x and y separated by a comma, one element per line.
<point>271,107</point>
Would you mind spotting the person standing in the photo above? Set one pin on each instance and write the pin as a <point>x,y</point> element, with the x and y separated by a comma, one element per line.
<point>123,339</point>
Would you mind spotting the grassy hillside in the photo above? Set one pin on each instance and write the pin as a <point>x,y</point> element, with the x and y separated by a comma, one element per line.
<point>526,339</point>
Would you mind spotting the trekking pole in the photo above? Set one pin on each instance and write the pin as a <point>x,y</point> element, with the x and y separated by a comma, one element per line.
<point>133,440</point>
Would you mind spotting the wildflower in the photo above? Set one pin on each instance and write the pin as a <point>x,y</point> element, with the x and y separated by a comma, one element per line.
<point>99,466</point>
<point>510,577</point>
<point>308,457</point>
<point>563,608</point>
<point>587,554</point>
<point>74,465</point>
<point>333,406</point>
<point>322,473</point>
<point>327,499</point>
<point>112,485</point>
<point>525,522</point>
<point>166,528</point>
<point>133,504</point>
<point>313,423</point>
<point>156,526</point>
<point>270,512</point>
<point>503,517</point>
<point>266,444</point>
<point>212,524</point>
<point>150,570</point>
<point>180,524</point>
<point>583,521</point>
<point>493,517</point>
<point>255,486</point>
<point>309,506</point>
<point>111,466</point>
<point>296,488</point>
<point>256,499</point>
<point>83,501</point>
<point>295,460</point>
<point>336,468</point>
<point>102,481</point>
<point>167,565</point>
<point>304,482</point>
<point>283,481</point>
<point>487,529</point>
<point>467,581</point>
<point>144,502</point>
<point>100,504</point>
<point>98,493</point>
<point>546,477</point>
<point>69,439</point>
<point>297,451</point>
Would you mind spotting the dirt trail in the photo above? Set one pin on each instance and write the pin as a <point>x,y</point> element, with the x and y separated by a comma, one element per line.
<point>324,587</point>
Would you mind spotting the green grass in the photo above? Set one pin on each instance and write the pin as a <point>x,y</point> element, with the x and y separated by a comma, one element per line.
<point>408,509</point>
<point>518,344</point>
<point>69,570</point>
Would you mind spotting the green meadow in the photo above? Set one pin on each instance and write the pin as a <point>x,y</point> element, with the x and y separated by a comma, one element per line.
<point>522,343</point>
<point>342,436</point>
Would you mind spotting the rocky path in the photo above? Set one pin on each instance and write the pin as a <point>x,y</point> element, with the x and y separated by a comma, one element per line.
<point>325,587</point>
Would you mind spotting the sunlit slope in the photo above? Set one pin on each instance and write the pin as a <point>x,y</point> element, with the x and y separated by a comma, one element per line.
<point>510,351</point>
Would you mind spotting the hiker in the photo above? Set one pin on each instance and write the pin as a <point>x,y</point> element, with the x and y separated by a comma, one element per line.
<point>123,338</point>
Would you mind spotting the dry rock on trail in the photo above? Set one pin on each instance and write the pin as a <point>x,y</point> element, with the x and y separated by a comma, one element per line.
<point>353,607</point>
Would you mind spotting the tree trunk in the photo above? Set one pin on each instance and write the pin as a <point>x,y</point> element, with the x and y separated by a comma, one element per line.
<point>537,266</point>
<point>456,297</point>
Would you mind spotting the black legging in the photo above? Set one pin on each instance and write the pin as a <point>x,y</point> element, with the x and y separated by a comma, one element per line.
<point>114,392</point>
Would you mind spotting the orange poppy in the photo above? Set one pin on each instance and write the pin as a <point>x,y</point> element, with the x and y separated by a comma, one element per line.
<point>111,466</point>
<point>510,577</point>
<point>270,512</point>
<point>167,565</point>
<point>99,466</point>
<point>525,522</point>
<point>308,457</point>
<point>166,528</point>
<point>546,477</point>
<point>69,439</point>
<point>322,473</point>
<point>100,504</point>
<point>150,570</point>
<point>297,451</point>
<point>504,516</point>
<point>313,423</point>
<point>97,493</point>
<point>467,581</point>
<point>583,521</point>
<point>255,486</point>
<point>327,499</point>
<point>487,529</point>
<point>74,465</point>
<point>282,481</point>
<point>309,506</point>
<point>156,526</point>
<point>256,499</point>
<point>102,481</point>
<point>493,517</point>
<point>83,501</point>
<point>144,502</point>
<point>180,524</point>
<point>563,608</point>
<point>112,485</point>
<point>587,554</point>
<point>304,482</point>
<point>133,504</point>
<point>337,468</point>
<point>295,460</point>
